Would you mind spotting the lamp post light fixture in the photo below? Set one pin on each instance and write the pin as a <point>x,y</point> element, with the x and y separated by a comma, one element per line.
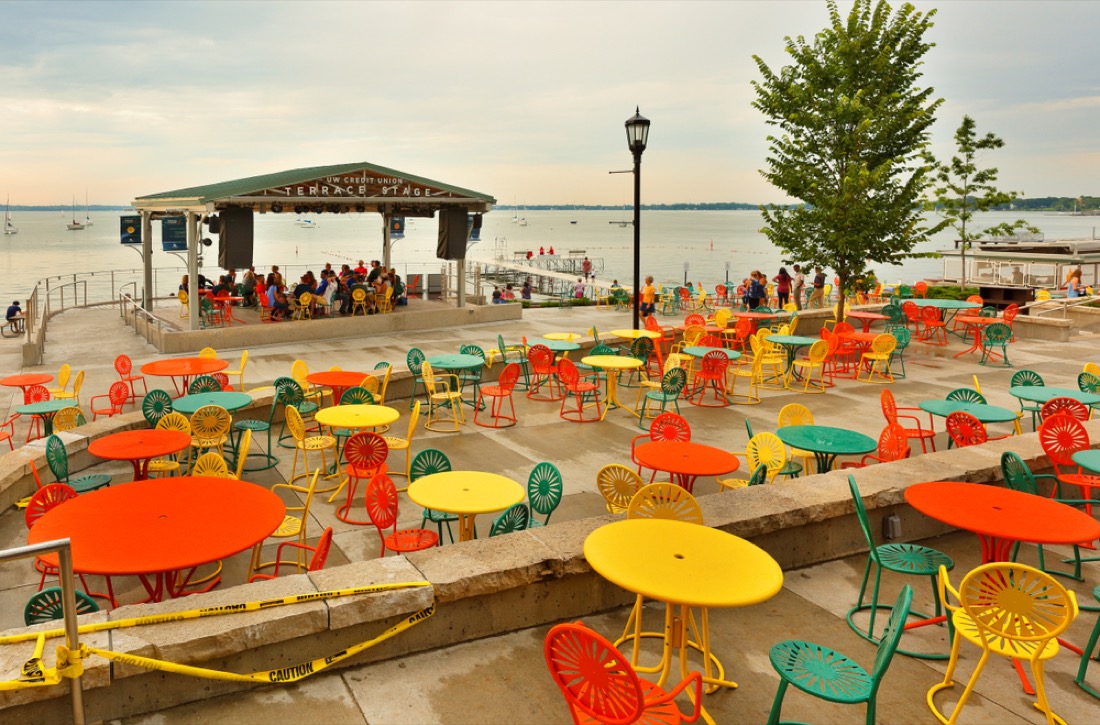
<point>637,134</point>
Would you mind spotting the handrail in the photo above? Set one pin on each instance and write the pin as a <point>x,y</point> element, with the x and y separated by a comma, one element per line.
<point>1041,307</point>
<point>68,605</point>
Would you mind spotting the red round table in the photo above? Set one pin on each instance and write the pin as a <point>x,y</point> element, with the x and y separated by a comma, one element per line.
<point>685,461</point>
<point>26,380</point>
<point>866,318</point>
<point>184,368</point>
<point>162,529</point>
<point>1001,517</point>
<point>337,380</point>
<point>139,447</point>
<point>756,317</point>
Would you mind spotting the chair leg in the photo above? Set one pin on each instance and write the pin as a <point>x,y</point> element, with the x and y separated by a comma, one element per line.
<point>1086,656</point>
<point>777,704</point>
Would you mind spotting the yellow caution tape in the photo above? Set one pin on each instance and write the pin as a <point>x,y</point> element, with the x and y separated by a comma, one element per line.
<point>70,662</point>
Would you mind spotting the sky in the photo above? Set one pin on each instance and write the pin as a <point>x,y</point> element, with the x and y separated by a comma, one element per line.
<point>522,100</point>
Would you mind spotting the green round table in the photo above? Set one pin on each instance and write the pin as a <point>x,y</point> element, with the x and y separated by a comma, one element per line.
<point>46,410</point>
<point>1042,393</point>
<point>826,443</point>
<point>792,343</point>
<point>700,351</point>
<point>560,345</point>
<point>458,361</point>
<point>983,412</point>
<point>188,404</point>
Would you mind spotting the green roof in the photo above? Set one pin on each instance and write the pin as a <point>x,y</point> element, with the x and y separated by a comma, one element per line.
<point>255,184</point>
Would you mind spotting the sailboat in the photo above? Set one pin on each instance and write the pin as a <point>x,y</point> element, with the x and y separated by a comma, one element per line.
<point>87,219</point>
<point>9,228</point>
<point>573,220</point>
<point>523,219</point>
<point>515,212</point>
<point>74,226</point>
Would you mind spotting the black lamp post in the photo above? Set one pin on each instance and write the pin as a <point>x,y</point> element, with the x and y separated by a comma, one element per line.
<point>637,133</point>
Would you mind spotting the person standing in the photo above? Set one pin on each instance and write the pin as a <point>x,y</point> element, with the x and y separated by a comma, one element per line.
<point>817,299</point>
<point>798,286</point>
<point>586,267</point>
<point>649,295</point>
<point>525,291</point>
<point>1073,289</point>
<point>757,290</point>
<point>782,286</point>
<point>578,289</point>
<point>249,285</point>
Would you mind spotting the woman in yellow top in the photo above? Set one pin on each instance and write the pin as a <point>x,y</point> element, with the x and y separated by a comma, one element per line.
<point>649,293</point>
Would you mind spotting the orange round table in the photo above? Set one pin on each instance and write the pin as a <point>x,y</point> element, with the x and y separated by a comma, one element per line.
<point>337,380</point>
<point>162,529</point>
<point>1001,517</point>
<point>139,447</point>
<point>26,380</point>
<point>685,461</point>
<point>184,368</point>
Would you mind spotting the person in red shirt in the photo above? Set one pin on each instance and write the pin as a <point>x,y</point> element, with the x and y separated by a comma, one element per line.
<point>361,269</point>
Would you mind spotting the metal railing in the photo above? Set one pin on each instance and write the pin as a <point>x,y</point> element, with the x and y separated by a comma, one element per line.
<point>145,323</point>
<point>68,605</point>
<point>1042,307</point>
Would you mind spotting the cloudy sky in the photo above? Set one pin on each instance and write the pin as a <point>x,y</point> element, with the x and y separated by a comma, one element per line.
<point>522,100</point>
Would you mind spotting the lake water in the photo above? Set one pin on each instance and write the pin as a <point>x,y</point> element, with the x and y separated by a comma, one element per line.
<point>707,241</point>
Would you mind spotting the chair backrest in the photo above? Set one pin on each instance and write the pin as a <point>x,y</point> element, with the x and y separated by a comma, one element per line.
<point>46,498</point>
<point>204,384</point>
<point>366,451</point>
<point>692,335</point>
<point>123,365</point>
<point>669,427</point>
<point>385,383</point>
<point>902,336</point>
<point>617,484</point>
<point>768,449</point>
<point>695,319</point>
<point>210,464</point>
<point>912,312</point>
<point>641,348</point>
<point>568,373</point>
<point>883,344</point>
<point>1016,602</point>
<point>665,500</point>
<point>371,385</point>
<point>891,635</point>
<point>1061,436</point>
<point>427,462</point>
<point>294,423</point>
<point>118,394</point>
<point>976,299</point>
<point>930,315</point>
<point>920,288</point>
<point>1091,368</point>
<point>288,392</point>
<point>861,516</point>
<point>222,380</point>
<point>46,605</point>
<point>795,414</point>
<point>414,359</point>
<point>674,380</point>
<point>893,444</point>
<point>843,328</point>
<point>155,405</point>
<point>965,429</point>
<point>212,421</point>
<point>320,551</point>
<point>987,311</point>
<point>208,352</point>
<point>508,378</point>
<point>515,518</point>
<point>57,458</point>
<point>1017,475</point>
<point>997,333</point>
<point>541,358</point>
<point>242,453</point>
<point>889,406</point>
<point>356,395</point>
<point>1010,313</point>
<point>36,394</point>
<point>174,421</point>
<point>593,676</point>
<point>603,349</point>
<point>966,395</point>
<point>1021,378</point>
<point>1088,383</point>
<point>472,350</point>
<point>299,370</point>
<point>63,374</point>
<point>759,476</point>
<point>710,341</point>
<point>544,489</point>
<point>1069,406</point>
<point>68,418</point>
<point>819,350</point>
<point>381,502</point>
<point>714,365</point>
<point>722,317</point>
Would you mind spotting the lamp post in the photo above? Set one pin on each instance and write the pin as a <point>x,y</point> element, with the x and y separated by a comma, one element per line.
<point>637,133</point>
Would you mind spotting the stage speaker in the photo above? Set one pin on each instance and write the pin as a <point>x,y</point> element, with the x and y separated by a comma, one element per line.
<point>452,234</point>
<point>235,249</point>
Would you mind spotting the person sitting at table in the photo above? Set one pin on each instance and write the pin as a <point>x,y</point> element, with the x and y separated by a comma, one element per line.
<point>249,286</point>
<point>399,297</point>
<point>204,283</point>
<point>525,291</point>
<point>275,273</point>
<point>1073,289</point>
<point>302,287</point>
<point>376,271</point>
<point>14,316</point>
<point>340,293</point>
<point>361,268</point>
<point>222,287</point>
<point>346,273</point>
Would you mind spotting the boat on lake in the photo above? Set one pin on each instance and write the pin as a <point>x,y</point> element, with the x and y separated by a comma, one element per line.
<point>9,228</point>
<point>74,225</point>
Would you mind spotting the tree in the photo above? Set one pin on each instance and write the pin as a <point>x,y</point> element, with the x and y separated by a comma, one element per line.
<point>854,128</point>
<point>962,190</point>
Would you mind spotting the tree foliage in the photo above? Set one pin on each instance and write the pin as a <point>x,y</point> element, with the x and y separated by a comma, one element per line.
<point>853,126</point>
<point>963,190</point>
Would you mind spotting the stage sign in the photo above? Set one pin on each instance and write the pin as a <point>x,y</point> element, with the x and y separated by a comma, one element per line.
<point>130,229</point>
<point>173,233</point>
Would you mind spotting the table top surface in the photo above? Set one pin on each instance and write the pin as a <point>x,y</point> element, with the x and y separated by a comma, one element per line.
<point>860,315</point>
<point>682,563</point>
<point>686,458</point>
<point>337,378</point>
<point>613,362</point>
<point>982,411</point>
<point>133,445</point>
<point>1043,393</point>
<point>357,416</point>
<point>1089,459</point>
<point>860,336</point>
<point>45,407</point>
<point>946,304</point>
<point>26,380</point>
<point>1002,512</point>
<point>709,329</point>
<point>793,340</point>
<point>976,319</point>
<point>184,366</point>
<point>560,345</point>
<point>231,401</point>
<point>561,336</point>
<point>825,439</point>
<point>700,351</point>
<point>635,334</point>
<point>162,524</point>
<point>455,361</point>
<point>466,492</point>
<point>759,315</point>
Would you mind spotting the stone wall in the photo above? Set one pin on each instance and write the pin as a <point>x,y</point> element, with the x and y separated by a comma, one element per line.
<point>480,588</point>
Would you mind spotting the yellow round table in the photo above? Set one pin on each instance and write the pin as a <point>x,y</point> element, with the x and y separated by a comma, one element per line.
<point>356,416</point>
<point>567,336</point>
<point>466,493</point>
<point>635,334</point>
<point>683,565</point>
<point>612,364</point>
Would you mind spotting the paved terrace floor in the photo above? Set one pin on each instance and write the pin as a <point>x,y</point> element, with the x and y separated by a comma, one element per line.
<point>503,679</point>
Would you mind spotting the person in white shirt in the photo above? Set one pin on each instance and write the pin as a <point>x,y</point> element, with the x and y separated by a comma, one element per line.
<point>797,287</point>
